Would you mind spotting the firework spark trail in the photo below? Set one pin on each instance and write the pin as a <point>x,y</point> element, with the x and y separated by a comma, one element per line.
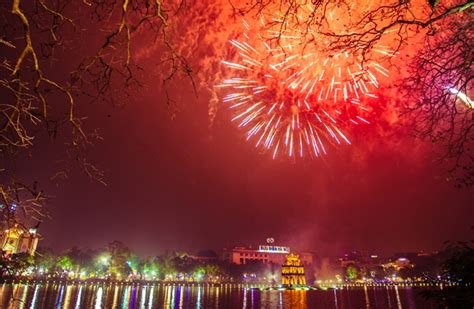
<point>464,98</point>
<point>291,94</point>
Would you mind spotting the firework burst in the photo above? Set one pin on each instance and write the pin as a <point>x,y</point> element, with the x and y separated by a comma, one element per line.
<point>290,92</point>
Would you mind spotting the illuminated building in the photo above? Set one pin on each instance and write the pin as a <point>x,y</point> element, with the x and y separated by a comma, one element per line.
<point>398,264</point>
<point>264,254</point>
<point>292,272</point>
<point>19,240</point>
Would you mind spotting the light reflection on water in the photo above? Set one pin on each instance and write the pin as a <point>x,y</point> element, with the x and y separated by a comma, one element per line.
<point>55,295</point>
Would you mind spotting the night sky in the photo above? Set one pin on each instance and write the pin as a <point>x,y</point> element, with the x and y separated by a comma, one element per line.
<point>176,181</point>
<point>182,184</point>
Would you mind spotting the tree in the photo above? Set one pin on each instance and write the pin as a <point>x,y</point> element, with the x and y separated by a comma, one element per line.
<point>458,267</point>
<point>15,264</point>
<point>150,268</point>
<point>45,260</point>
<point>167,265</point>
<point>39,101</point>
<point>83,260</point>
<point>102,263</point>
<point>134,263</point>
<point>65,263</point>
<point>352,272</point>
<point>209,271</point>
<point>434,39</point>
<point>441,81</point>
<point>119,256</point>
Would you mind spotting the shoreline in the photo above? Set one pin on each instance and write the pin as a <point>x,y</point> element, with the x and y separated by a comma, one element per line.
<point>262,286</point>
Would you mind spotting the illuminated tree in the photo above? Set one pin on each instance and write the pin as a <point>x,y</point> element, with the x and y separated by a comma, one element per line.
<point>209,271</point>
<point>352,272</point>
<point>102,263</point>
<point>45,260</point>
<point>167,266</point>
<point>83,260</point>
<point>119,256</point>
<point>133,264</point>
<point>150,268</point>
<point>15,264</point>
<point>65,263</point>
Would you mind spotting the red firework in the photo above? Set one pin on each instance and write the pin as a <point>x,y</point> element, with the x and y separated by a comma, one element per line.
<point>290,93</point>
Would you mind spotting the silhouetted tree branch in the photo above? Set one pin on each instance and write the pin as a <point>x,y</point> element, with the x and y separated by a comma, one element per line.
<point>438,86</point>
<point>38,99</point>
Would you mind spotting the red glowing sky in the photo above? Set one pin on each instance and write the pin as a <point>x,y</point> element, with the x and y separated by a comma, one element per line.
<point>192,182</point>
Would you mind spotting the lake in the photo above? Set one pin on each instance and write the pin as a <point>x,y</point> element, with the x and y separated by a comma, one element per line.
<point>56,295</point>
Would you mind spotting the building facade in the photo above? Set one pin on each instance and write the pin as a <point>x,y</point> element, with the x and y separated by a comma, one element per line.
<point>262,254</point>
<point>19,240</point>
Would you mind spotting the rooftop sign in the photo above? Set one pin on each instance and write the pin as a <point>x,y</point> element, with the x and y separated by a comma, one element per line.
<point>274,249</point>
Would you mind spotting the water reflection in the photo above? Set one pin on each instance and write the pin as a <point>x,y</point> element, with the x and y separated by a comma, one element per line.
<point>388,298</point>
<point>59,299</point>
<point>201,296</point>
<point>397,295</point>
<point>35,296</point>
<point>367,301</point>
<point>199,293</point>
<point>98,298</point>
<point>78,299</point>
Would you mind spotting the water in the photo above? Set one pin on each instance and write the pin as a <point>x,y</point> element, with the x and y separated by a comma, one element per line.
<point>55,295</point>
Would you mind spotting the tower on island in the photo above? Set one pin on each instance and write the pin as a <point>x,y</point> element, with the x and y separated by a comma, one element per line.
<point>292,272</point>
